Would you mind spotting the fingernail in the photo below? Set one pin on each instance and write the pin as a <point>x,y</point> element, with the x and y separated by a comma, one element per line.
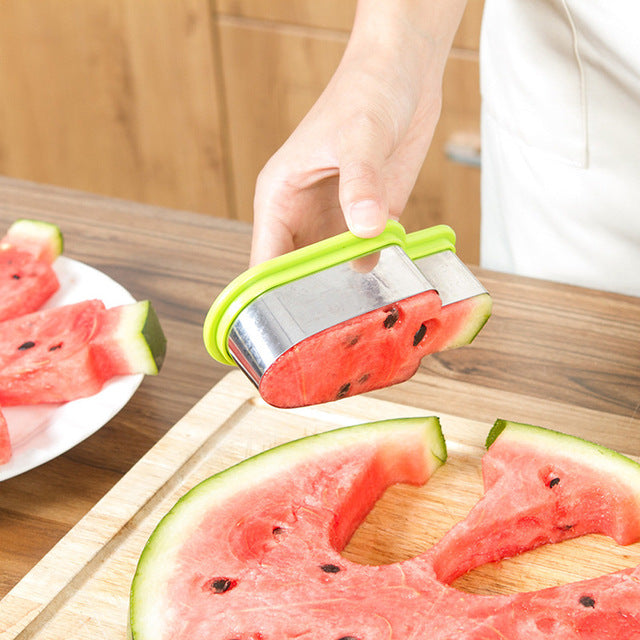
<point>364,217</point>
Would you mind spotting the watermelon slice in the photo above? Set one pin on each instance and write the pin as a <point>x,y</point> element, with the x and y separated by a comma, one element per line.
<point>27,279</point>
<point>253,553</point>
<point>543,487</point>
<point>5,442</point>
<point>69,352</point>
<point>375,350</point>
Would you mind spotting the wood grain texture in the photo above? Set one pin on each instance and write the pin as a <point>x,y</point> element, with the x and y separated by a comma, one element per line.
<point>83,583</point>
<point>555,355</point>
<point>114,97</point>
<point>141,100</point>
<point>284,72</point>
<point>447,192</point>
<point>335,15</point>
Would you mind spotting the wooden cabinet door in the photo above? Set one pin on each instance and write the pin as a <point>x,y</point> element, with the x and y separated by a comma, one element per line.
<point>181,103</point>
<point>119,97</point>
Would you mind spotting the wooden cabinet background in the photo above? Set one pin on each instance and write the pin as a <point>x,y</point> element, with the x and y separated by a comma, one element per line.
<point>181,103</point>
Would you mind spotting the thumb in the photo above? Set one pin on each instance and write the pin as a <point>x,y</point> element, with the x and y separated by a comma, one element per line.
<point>362,192</point>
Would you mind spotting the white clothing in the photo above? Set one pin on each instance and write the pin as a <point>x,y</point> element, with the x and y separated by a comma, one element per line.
<point>560,83</point>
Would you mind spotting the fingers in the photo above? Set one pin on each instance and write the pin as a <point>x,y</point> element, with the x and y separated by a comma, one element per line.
<point>270,241</point>
<point>295,201</point>
<point>271,236</point>
<point>362,151</point>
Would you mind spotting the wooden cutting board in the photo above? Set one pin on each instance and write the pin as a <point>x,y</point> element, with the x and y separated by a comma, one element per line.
<point>80,589</point>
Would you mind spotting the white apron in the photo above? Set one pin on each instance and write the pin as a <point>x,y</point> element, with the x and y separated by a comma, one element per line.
<point>560,83</point>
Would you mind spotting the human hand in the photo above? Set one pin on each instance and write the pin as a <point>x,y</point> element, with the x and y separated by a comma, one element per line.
<point>354,159</point>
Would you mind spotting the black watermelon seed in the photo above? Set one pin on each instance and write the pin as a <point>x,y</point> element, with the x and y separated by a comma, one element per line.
<point>554,482</point>
<point>330,568</point>
<point>26,345</point>
<point>220,585</point>
<point>391,318</point>
<point>277,531</point>
<point>343,390</point>
<point>364,377</point>
<point>420,333</point>
<point>55,346</point>
<point>587,601</point>
<point>16,276</point>
<point>353,340</point>
<point>348,638</point>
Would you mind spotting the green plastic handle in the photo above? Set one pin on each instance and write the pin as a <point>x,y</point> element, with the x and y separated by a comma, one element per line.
<point>249,285</point>
<point>429,241</point>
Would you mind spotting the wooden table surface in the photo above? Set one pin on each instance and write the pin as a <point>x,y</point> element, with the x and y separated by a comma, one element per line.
<point>554,355</point>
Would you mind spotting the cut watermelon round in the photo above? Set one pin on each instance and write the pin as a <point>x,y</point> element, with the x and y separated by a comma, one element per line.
<point>27,279</point>
<point>69,352</point>
<point>263,529</point>
<point>375,350</point>
<point>253,553</point>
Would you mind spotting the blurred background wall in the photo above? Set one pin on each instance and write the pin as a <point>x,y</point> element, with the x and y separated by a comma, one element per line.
<point>180,103</point>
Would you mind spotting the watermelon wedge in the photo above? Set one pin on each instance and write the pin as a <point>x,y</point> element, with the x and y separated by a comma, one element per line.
<point>253,553</point>
<point>69,352</point>
<point>543,487</point>
<point>375,350</point>
<point>27,279</point>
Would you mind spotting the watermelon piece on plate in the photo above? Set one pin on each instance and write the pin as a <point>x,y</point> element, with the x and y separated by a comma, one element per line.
<point>374,350</point>
<point>5,442</point>
<point>253,553</point>
<point>27,279</point>
<point>69,352</point>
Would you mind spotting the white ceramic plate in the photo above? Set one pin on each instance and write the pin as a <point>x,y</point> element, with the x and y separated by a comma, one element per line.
<point>40,433</point>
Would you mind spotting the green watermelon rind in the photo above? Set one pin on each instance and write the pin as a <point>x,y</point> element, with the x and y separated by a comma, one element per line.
<point>594,455</point>
<point>255,470</point>
<point>39,231</point>
<point>142,338</point>
<point>474,323</point>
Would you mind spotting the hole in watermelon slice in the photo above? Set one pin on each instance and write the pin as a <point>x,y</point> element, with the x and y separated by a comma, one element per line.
<point>409,520</point>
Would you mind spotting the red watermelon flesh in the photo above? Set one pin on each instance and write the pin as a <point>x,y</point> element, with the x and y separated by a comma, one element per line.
<point>539,498</point>
<point>5,442</point>
<point>25,284</point>
<point>375,350</point>
<point>69,352</point>
<point>27,279</point>
<point>253,553</point>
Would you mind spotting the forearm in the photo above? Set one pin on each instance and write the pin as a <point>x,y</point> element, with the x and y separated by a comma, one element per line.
<point>424,28</point>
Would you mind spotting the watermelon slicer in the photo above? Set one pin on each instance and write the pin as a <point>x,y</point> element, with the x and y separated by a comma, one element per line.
<point>276,305</point>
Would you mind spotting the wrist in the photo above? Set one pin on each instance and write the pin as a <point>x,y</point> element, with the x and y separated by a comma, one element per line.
<point>419,31</point>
